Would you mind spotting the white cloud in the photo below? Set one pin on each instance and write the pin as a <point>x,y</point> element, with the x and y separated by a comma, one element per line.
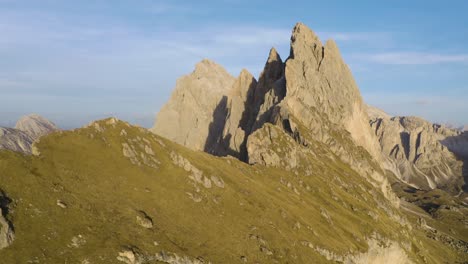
<point>252,36</point>
<point>414,58</point>
<point>374,37</point>
<point>435,108</point>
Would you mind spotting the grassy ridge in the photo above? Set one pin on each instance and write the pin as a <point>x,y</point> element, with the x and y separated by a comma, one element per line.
<point>261,214</point>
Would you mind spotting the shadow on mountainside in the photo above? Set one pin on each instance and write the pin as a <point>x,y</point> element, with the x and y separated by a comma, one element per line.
<point>458,145</point>
<point>216,128</point>
<point>271,80</point>
<point>246,123</point>
<point>4,203</point>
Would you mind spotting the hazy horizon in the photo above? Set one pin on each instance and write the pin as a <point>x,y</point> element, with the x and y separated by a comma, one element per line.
<point>76,62</point>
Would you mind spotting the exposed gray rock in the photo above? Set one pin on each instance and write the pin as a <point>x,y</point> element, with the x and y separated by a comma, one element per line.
<point>215,112</point>
<point>196,113</point>
<point>27,130</point>
<point>132,255</point>
<point>239,115</point>
<point>61,204</point>
<point>15,140</point>
<point>320,86</point>
<point>7,235</point>
<point>35,126</point>
<point>196,175</point>
<point>313,90</point>
<point>144,220</point>
<point>422,152</point>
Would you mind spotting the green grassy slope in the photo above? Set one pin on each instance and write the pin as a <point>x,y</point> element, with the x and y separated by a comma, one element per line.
<point>78,202</point>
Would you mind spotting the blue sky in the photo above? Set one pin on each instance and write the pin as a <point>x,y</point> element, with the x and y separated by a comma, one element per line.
<point>75,61</point>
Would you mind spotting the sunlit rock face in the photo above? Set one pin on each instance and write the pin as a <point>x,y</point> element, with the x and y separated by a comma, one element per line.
<point>27,130</point>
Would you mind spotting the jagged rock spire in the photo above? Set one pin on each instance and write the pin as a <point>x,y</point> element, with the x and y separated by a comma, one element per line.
<point>211,109</point>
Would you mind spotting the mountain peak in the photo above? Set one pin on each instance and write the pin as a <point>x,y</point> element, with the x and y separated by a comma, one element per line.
<point>35,125</point>
<point>273,56</point>
<point>245,74</point>
<point>207,68</point>
<point>303,41</point>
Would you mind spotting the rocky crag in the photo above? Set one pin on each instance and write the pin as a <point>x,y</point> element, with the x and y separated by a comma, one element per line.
<point>215,112</point>
<point>425,155</point>
<point>27,130</point>
<point>310,102</point>
<point>311,96</point>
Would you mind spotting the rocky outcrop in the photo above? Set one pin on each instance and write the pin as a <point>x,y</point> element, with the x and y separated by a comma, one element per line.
<point>320,84</point>
<point>195,114</point>
<point>7,235</point>
<point>214,112</point>
<point>27,130</point>
<point>240,111</point>
<point>35,126</point>
<point>312,95</point>
<point>426,155</point>
<point>15,140</point>
<point>314,84</point>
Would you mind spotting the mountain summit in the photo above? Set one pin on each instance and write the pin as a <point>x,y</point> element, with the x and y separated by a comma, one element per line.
<point>28,129</point>
<point>313,84</point>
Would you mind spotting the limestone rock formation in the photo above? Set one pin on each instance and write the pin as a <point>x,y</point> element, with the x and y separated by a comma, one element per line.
<point>35,126</point>
<point>314,84</point>
<point>27,130</point>
<point>214,112</point>
<point>239,114</point>
<point>195,114</point>
<point>7,235</point>
<point>312,95</point>
<point>14,139</point>
<point>319,83</point>
<point>422,152</point>
<point>310,99</point>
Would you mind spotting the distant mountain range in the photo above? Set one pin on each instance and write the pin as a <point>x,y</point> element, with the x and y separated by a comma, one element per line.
<point>28,129</point>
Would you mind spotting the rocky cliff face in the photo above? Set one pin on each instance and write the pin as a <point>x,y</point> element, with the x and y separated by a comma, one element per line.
<point>314,84</point>
<point>27,130</point>
<point>35,126</point>
<point>426,155</point>
<point>212,111</point>
<point>15,140</point>
<point>311,97</point>
<point>319,83</point>
<point>195,114</point>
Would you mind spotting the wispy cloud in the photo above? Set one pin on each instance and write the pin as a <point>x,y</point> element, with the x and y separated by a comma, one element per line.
<point>252,36</point>
<point>418,104</point>
<point>414,58</point>
<point>423,101</point>
<point>357,36</point>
